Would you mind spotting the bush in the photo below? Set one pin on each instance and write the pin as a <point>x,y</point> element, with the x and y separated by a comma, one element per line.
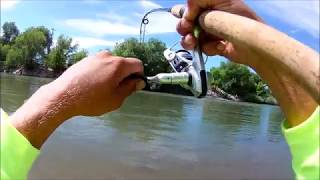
<point>14,58</point>
<point>4,49</point>
<point>234,79</point>
<point>78,56</point>
<point>150,53</point>
<point>238,80</point>
<point>59,56</point>
<point>56,60</point>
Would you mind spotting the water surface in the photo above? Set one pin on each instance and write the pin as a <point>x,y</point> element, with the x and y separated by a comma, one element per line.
<point>161,136</point>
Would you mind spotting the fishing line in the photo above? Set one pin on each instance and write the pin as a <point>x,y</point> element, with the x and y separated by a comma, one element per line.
<point>146,21</point>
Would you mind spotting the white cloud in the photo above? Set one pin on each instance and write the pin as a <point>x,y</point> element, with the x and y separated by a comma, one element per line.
<point>101,27</point>
<point>161,23</point>
<point>89,42</point>
<point>138,15</point>
<point>147,4</point>
<point>8,4</point>
<point>123,25</point>
<point>111,23</point>
<point>303,15</point>
<point>112,16</point>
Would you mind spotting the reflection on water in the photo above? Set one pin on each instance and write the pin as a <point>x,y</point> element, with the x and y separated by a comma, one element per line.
<point>16,89</point>
<point>146,117</point>
<point>160,136</point>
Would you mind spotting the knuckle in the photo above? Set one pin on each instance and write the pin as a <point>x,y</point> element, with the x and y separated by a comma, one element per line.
<point>140,64</point>
<point>134,61</point>
<point>117,62</point>
<point>104,54</point>
<point>118,65</point>
<point>180,29</point>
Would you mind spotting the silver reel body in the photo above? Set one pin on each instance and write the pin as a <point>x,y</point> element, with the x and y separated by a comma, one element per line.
<point>189,70</point>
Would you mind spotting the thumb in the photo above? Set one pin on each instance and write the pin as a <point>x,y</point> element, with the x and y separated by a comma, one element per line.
<point>128,86</point>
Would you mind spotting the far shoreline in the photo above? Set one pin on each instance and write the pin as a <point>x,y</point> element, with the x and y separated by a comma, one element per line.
<point>215,94</point>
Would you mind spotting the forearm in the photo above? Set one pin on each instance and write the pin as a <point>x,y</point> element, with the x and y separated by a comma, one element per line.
<point>292,58</point>
<point>290,68</point>
<point>296,104</point>
<point>41,114</point>
<point>98,82</point>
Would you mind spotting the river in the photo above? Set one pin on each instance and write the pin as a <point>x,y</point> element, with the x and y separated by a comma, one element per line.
<point>160,136</point>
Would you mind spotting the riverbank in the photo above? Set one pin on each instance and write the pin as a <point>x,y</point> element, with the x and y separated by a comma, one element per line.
<point>40,71</point>
<point>213,92</point>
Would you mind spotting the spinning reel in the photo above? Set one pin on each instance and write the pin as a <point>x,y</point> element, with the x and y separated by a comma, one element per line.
<point>188,67</point>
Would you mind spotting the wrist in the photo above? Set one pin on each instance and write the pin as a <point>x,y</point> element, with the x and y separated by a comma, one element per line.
<point>41,114</point>
<point>55,98</point>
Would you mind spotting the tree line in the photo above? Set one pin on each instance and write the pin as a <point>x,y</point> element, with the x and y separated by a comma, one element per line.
<point>238,80</point>
<point>35,47</point>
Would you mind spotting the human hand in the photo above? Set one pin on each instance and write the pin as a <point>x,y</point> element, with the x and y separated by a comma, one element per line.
<point>100,83</point>
<point>93,86</point>
<point>210,43</point>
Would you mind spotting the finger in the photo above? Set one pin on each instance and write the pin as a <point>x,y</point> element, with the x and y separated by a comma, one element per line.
<point>128,86</point>
<point>207,37</point>
<point>184,27</point>
<point>192,10</point>
<point>214,48</point>
<point>104,53</point>
<point>129,66</point>
<point>188,42</point>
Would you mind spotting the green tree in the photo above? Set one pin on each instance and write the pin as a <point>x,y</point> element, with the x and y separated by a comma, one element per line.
<point>4,49</point>
<point>237,80</point>
<point>150,53</point>
<point>14,59</point>
<point>60,55</point>
<point>10,32</point>
<point>32,42</point>
<point>78,56</point>
<point>156,62</point>
<point>48,36</point>
<point>56,60</point>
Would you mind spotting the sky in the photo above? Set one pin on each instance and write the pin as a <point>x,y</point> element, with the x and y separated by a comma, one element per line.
<point>100,24</point>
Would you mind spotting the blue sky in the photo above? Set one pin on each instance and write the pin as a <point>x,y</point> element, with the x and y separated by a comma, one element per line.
<point>99,24</point>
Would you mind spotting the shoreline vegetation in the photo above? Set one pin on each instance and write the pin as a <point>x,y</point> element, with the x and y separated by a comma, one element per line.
<point>33,53</point>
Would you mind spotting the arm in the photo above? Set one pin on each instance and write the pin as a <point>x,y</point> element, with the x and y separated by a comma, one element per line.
<point>275,57</point>
<point>93,86</point>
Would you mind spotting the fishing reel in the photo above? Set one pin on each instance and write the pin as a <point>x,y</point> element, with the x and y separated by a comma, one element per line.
<point>182,61</point>
<point>189,71</point>
<point>188,67</point>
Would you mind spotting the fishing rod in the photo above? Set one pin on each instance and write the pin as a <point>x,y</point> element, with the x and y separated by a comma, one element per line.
<point>188,67</point>
<point>145,21</point>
